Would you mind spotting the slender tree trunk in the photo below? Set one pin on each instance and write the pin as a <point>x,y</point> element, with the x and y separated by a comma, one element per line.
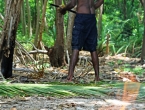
<point>7,44</point>
<point>29,19</point>
<point>42,22</point>
<point>142,2</point>
<point>38,23</point>
<point>57,54</point>
<point>46,25</point>
<point>34,16</point>
<point>71,17</point>
<point>23,20</point>
<point>100,21</point>
<point>143,46</point>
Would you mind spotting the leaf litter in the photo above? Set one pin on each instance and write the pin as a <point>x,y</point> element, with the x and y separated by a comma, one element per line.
<point>113,70</point>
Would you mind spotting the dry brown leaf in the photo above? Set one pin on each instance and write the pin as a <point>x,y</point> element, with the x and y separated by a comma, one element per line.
<point>14,108</point>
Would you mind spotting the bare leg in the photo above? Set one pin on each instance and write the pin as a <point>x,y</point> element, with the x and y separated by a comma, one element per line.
<point>73,61</point>
<point>95,61</point>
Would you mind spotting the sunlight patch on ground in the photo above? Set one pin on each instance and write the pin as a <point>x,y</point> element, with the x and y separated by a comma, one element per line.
<point>117,102</point>
<point>120,57</point>
<point>98,101</point>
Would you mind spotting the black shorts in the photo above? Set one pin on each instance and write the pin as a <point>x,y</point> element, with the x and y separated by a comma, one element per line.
<point>84,36</point>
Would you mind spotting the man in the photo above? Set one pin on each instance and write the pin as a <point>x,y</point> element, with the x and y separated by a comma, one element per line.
<point>84,32</point>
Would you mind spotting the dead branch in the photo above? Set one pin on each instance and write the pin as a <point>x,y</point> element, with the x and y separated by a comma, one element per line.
<point>24,51</point>
<point>38,51</point>
<point>24,70</point>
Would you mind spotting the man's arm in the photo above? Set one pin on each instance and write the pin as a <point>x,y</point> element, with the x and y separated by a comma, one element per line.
<point>68,6</point>
<point>98,3</point>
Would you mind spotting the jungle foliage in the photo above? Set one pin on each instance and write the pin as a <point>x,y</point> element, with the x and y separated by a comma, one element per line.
<point>122,21</point>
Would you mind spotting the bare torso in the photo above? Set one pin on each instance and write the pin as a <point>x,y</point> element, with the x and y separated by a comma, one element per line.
<point>85,6</point>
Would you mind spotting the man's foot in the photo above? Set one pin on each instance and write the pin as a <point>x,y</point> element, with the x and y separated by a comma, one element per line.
<point>69,77</point>
<point>67,81</point>
<point>97,79</point>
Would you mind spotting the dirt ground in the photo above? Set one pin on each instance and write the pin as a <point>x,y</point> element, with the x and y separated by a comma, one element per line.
<point>45,103</point>
<point>110,70</point>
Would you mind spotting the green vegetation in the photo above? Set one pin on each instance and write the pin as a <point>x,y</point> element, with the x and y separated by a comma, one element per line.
<point>125,28</point>
<point>65,90</point>
<point>123,22</point>
<point>136,70</point>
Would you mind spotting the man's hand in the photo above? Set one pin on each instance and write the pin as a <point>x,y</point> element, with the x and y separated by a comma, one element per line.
<point>98,3</point>
<point>61,9</point>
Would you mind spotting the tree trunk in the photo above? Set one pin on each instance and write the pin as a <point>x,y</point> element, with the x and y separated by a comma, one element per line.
<point>23,20</point>
<point>142,2</point>
<point>7,44</point>
<point>42,23</point>
<point>100,21</point>
<point>143,46</point>
<point>57,54</point>
<point>71,17</point>
<point>38,23</point>
<point>29,19</point>
<point>46,25</point>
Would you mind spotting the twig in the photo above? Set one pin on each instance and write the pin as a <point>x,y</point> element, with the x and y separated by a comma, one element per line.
<point>24,70</point>
<point>20,46</point>
<point>38,51</point>
<point>22,56</point>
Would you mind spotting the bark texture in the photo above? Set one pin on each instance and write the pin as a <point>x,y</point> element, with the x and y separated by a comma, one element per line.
<point>71,18</point>
<point>7,44</point>
<point>57,52</point>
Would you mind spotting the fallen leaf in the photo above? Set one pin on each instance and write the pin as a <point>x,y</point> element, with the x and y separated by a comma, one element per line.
<point>14,108</point>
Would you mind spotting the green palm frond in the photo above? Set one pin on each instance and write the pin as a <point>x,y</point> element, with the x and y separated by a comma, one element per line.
<point>60,90</point>
<point>47,90</point>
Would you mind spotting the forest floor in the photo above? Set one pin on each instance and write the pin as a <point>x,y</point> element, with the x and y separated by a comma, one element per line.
<point>113,69</point>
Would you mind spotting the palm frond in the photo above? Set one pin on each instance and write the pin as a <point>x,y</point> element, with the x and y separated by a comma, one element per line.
<point>61,90</point>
